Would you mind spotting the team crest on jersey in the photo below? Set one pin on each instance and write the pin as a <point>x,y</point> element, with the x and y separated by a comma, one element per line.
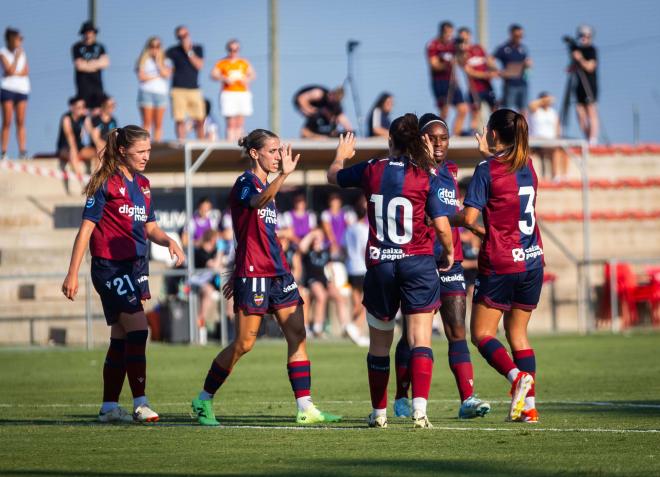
<point>258,299</point>
<point>109,285</point>
<point>122,190</point>
<point>146,191</point>
<point>90,202</point>
<point>245,192</point>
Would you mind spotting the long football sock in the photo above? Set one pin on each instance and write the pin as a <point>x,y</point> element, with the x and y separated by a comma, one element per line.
<point>378,368</point>
<point>300,378</point>
<point>214,379</point>
<point>402,367</point>
<point>496,355</point>
<point>114,371</point>
<point>461,366</point>
<point>421,372</point>
<point>136,361</point>
<point>526,361</point>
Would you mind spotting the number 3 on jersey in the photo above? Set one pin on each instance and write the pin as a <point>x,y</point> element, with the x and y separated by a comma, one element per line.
<point>526,225</point>
<point>390,211</point>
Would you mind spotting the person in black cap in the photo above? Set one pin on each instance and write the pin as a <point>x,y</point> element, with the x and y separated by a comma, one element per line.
<point>89,59</point>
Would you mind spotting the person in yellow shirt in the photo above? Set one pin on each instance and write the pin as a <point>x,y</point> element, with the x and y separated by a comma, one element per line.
<point>235,74</point>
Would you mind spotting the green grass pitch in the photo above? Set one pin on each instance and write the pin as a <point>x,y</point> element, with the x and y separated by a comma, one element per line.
<point>599,400</point>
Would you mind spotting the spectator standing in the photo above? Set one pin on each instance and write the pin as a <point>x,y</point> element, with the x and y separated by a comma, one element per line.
<point>544,124</point>
<point>334,221</point>
<point>89,59</point>
<point>480,69</point>
<point>300,219</point>
<point>14,89</point>
<point>585,65</point>
<point>515,61</point>
<point>201,222</point>
<point>153,70</point>
<point>70,146</point>
<point>102,123</point>
<point>441,56</point>
<point>187,60</point>
<point>235,74</point>
<point>357,235</point>
<point>378,121</point>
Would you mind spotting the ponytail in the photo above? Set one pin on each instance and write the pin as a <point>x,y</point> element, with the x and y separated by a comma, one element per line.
<point>407,139</point>
<point>513,131</point>
<point>111,158</point>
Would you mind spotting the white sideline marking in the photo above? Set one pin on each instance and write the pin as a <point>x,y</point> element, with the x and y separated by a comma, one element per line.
<point>440,401</point>
<point>448,428</point>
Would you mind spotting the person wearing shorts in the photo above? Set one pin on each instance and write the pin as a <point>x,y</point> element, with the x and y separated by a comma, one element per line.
<point>503,189</point>
<point>235,74</point>
<point>14,90</point>
<point>153,70</point>
<point>187,100</point>
<point>262,281</point>
<point>118,223</point>
<point>401,191</point>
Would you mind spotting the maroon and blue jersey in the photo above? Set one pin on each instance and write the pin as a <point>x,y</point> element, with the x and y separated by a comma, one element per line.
<point>450,197</point>
<point>507,201</point>
<point>258,250</point>
<point>400,195</point>
<point>120,208</point>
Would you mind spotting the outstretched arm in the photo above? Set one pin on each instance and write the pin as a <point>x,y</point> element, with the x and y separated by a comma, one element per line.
<point>70,285</point>
<point>345,150</point>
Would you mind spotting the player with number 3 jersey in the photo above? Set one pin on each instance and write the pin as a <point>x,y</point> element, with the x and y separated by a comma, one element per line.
<point>118,222</point>
<point>401,191</point>
<point>503,188</point>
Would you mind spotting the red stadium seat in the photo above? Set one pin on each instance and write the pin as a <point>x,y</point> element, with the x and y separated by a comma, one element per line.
<point>630,293</point>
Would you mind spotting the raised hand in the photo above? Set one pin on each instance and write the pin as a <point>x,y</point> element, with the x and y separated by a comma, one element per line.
<point>482,143</point>
<point>288,163</point>
<point>346,146</point>
<point>428,144</point>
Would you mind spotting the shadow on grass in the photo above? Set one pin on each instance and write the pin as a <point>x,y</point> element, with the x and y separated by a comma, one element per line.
<point>345,467</point>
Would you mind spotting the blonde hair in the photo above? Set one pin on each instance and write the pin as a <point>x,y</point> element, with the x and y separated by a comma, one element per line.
<point>144,54</point>
<point>111,158</point>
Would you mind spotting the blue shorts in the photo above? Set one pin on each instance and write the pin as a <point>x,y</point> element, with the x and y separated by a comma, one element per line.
<point>452,282</point>
<point>151,100</point>
<point>122,285</point>
<point>511,290</point>
<point>261,295</point>
<point>441,93</point>
<point>6,95</point>
<point>488,97</point>
<point>410,283</point>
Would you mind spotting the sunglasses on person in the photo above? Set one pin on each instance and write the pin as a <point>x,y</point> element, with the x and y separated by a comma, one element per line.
<point>154,45</point>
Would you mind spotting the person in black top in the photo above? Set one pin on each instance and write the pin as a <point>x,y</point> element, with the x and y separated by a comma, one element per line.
<point>585,66</point>
<point>322,110</point>
<point>103,123</point>
<point>187,60</point>
<point>70,146</point>
<point>89,59</point>
<point>378,122</point>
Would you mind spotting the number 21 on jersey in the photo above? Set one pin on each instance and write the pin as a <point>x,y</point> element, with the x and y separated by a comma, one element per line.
<point>399,234</point>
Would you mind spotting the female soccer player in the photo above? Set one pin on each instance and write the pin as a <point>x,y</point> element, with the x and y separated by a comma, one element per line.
<point>118,221</point>
<point>262,282</point>
<point>503,189</point>
<point>452,293</point>
<point>401,190</point>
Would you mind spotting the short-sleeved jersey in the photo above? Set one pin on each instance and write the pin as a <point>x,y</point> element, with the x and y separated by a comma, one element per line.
<point>475,58</point>
<point>235,69</point>
<point>120,208</point>
<point>400,195</point>
<point>445,52</point>
<point>507,201</point>
<point>258,250</point>
<point>450,197</point>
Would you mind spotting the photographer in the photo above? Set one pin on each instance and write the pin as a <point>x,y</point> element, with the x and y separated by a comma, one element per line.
<point>584,67</point>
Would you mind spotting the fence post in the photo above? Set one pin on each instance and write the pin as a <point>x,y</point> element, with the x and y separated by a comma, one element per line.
<point>614,298</point>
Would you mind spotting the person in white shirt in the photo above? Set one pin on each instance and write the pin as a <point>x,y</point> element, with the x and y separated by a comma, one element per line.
<point>544,124</point>
<point>153,70</point>
<point>14,89</point>
<point>357,235</point>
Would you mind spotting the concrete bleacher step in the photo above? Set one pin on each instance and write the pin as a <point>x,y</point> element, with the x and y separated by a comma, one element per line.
<point>600,199</point>
<point>27,238</point>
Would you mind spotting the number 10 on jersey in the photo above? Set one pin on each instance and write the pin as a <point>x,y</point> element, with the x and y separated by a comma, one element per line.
<point>395,207</point>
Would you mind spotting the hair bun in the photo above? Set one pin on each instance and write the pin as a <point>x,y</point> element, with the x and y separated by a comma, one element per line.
<point>242,141</point>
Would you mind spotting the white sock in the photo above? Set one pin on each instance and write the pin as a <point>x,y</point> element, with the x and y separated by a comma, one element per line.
<point>419,404</point>
<point>380,412</point>
<point>317,328</point>
<point>108,406</point>
<point>304,403</point>
<point>530,403</point>
<point>204,396</point>
<point>139,401</point>
<point>513,374</point>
